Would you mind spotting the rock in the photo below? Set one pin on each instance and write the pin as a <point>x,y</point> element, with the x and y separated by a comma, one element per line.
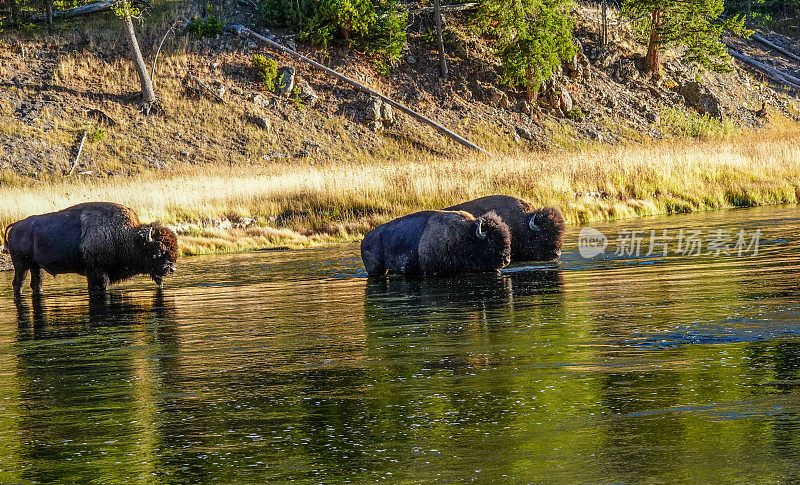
<point>157,164</point>
<point>497,97</point>
<point>793,107</point>
<point>524,107</point>
<point>653,117</point>
<point>221,91</point>
<point>524,133</point>
<point>387,115</point>
<point>373,109</point>
<point>308,95</point>
<point>411,59</point>
<point>260,100</point>
<point>261,121</point>
<point>701,98</point>
<point>378,114</point>
<point>285,81</point>
<point>565,100</point>
<point>625,71</point>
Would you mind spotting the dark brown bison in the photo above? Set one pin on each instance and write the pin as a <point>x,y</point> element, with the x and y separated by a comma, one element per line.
<point>437,243</point>
<point>536,234</point>
<point>103,241</point>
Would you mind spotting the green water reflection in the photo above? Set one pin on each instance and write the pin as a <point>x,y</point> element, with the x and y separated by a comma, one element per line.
<point>292,365</point>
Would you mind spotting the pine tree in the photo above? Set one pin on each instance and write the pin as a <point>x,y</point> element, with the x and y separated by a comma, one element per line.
<point>534,38</point>
<point>694,24</point>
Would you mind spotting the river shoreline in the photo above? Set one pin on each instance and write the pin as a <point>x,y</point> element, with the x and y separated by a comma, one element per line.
<point>224,209</point>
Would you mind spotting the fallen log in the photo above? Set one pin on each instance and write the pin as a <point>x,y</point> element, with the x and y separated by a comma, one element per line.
<point>78,156</point>
<point>96,7</point>
<point>774,74</point>
<point>77,11</point>
<point>445,8</point>
<point>775,47</point>
<point>204,86</point>
<point>243,31</point>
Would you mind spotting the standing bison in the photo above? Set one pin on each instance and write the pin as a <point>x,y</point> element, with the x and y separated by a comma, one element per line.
<point>536,234</point>
<point>103,241</point>
<point>437,243</point>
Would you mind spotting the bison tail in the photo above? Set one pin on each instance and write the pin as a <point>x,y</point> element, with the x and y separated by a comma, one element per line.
<point>4,248</point>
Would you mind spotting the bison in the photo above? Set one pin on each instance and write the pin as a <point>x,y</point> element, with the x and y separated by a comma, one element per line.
<point>536,234</point>
<point>437,243</point>
<point>103,241</point>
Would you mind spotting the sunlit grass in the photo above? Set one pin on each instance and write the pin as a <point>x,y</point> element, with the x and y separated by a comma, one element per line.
<point>297,205</point>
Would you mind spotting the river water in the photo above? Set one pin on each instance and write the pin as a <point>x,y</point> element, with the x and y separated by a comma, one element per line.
<point>292,365</point>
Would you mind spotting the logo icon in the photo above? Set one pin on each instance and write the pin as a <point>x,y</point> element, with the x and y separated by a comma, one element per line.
<point>591,243</point>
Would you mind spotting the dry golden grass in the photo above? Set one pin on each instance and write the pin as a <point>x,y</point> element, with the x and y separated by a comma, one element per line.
<point>300,204</point>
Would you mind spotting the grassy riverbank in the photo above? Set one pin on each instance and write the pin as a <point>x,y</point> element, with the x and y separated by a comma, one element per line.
<point>298,204</point>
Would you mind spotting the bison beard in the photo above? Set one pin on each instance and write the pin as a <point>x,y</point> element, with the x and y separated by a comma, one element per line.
<point>103,241</point>
<point>536,233</point>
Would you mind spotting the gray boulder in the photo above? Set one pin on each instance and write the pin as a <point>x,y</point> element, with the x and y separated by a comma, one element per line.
<point>701,98</point>
<point>285,81</point>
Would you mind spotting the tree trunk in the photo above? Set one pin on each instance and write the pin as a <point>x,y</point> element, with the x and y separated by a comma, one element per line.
<point>148,95</point>
<point>604,24</point>
<point>749,12</point>
<point>442,59</point>
<point>49,10</point>
<point>653,61</point>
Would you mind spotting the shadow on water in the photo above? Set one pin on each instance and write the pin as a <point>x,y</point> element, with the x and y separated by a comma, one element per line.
<point>91,374</point>
<point>401,301</point>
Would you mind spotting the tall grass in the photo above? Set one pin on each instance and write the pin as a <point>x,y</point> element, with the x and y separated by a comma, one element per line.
<point>295,205</point>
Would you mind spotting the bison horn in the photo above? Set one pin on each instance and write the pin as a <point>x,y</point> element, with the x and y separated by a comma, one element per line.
<point>150,235</point>
<point>534,222</point>
<point>479,230</point>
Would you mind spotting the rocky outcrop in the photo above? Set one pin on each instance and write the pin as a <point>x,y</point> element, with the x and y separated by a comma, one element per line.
<point>701,98</point>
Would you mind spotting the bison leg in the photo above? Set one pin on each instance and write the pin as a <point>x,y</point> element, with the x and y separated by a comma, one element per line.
<point>36,279</point>
<point>98,281</point>
<point>20,270</point>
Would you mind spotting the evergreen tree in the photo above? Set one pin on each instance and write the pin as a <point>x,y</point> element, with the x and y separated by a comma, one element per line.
<point>694,24</point>
<point>533,38</point>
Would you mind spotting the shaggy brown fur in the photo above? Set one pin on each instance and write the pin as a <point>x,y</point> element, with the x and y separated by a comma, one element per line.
<point>101,240</point>
<point>542,243</point>
<point>435,243</point>
<point>449,244</point>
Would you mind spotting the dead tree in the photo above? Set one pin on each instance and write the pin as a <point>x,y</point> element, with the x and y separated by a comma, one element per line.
<point>442,59</point>
<point>148,95</point>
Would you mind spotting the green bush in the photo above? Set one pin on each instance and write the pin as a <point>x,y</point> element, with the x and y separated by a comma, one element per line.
<point>267,70</point>
<point>207,27</point>
<point>371,25</point>
<point>533,38</point>
<point>575,114</point>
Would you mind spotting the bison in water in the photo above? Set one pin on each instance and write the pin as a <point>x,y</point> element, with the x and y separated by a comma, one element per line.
<point>536,234</point>
<point>437,243</point>
<point>103,241</point>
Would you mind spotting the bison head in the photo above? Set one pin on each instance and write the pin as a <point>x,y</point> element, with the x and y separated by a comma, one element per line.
<point>492,243</point>
<point>544,235</point>
<point>160,246</point>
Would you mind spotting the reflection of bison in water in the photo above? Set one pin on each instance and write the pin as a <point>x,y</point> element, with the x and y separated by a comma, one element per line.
<point>103,241</point>
<point>536,234</point>
<point>436,243</point>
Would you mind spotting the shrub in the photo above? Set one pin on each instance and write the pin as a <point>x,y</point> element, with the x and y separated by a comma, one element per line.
<point>371,25</point>
<point>266,69</point>
<point>205,27</point>
<point>575,114</point>
<point>533,38</point>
